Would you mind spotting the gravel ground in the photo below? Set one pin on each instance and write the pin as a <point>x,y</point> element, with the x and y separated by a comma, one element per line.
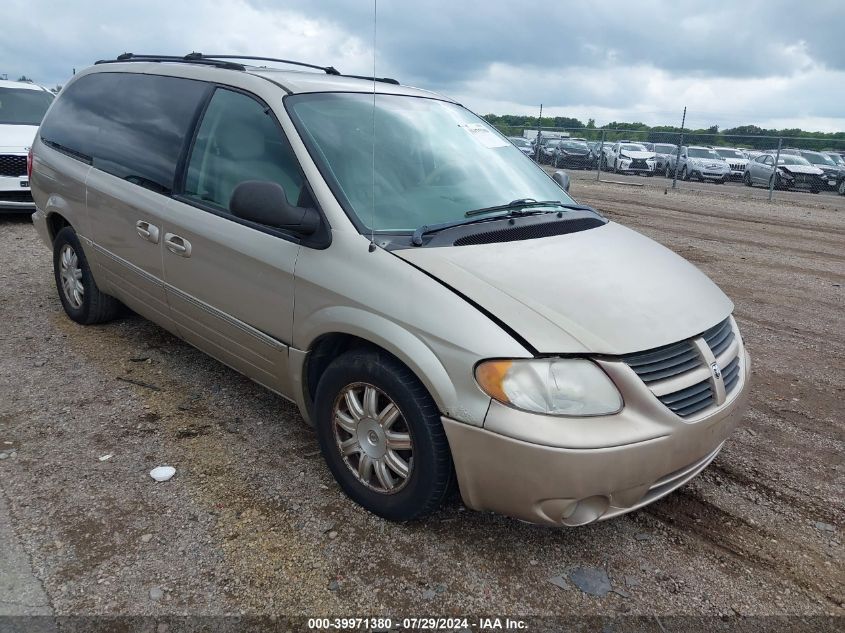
<point>253,523</point>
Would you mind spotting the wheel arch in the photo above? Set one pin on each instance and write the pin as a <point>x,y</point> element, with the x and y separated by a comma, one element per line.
<point>336,330</point>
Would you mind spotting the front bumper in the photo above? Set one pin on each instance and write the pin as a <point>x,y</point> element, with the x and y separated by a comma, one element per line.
<point>587,469</point>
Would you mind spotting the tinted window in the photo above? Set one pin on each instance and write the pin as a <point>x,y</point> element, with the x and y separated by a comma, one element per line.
<point>23,106</point>
<point>239,140</point>
<point>129,125</point>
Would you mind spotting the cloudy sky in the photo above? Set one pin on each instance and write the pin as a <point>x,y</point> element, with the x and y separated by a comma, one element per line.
<point>771,63</point>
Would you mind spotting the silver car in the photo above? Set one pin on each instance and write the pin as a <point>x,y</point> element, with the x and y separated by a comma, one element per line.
<point>702,163</point>
<point>437,306</point>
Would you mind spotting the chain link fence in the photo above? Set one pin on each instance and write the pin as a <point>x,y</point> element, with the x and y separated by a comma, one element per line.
<point>775,163</point>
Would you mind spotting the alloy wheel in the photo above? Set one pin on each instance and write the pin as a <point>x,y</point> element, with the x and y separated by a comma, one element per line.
<point>70,273</point>
<point>373,438</point>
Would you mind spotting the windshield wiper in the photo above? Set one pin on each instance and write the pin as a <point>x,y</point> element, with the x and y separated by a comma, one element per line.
<point>514,207</point>
<point>522,203</point>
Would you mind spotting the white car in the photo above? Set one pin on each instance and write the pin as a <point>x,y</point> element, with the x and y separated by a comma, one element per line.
<point>623,157</point>
<point>22,106</point>
<point>735,159</point>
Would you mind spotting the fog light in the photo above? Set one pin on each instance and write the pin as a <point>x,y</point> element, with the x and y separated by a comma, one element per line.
<point>585,511</point>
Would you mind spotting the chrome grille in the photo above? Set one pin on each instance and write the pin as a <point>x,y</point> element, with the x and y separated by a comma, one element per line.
<point>679,374</point>
<point>691,400</point>
<point>664,362</point>
<point>11,165</point>
<point>730,375</point>
<point>719,337</point>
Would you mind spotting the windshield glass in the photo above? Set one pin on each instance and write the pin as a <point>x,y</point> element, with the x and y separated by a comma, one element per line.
<point>836,158</point>
<point>700,152</point>
<point>22,106</point>
<point>434,160</point>
<point>574,145</point>
<point>664,149</point>
<point>788,159</point>
<point>520,142</point>
<point>632,148</point>
<point>729,153</point>
<point>818,159</point>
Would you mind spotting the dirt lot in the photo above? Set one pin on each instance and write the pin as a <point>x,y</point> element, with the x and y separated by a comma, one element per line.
<point>252,522</point>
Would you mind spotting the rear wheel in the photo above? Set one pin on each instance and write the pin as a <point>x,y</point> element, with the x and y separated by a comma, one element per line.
<point>81,298</point>
<point>381,436</point>
<point>841,188</point>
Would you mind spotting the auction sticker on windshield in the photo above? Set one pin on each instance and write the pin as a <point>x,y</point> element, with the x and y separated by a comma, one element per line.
<point>483,135</point>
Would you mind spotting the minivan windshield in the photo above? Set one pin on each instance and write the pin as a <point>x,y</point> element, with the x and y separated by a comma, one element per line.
<point>23,106</point>
<point>434,160</point>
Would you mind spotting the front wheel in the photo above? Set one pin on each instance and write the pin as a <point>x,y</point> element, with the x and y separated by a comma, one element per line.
<point>684,173</point>
<point>841,188</point>
<point>81,298</point>
<point>381,436</point>
<point>746,179</point>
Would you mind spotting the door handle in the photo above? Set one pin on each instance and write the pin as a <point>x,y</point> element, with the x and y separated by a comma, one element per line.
<point>147,231</point>
<point>177,245</point>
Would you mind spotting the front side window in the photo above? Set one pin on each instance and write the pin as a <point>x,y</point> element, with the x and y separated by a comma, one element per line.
<point>130,125</point>
<point>23,106</point>
<point>433,160</point>
<point>239,140</point>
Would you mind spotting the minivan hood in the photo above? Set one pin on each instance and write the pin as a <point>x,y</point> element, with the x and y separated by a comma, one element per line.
<point>607,290</point>
<point>17,138</point>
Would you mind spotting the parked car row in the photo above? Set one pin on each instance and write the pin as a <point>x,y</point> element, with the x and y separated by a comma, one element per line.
<point>796,168</point>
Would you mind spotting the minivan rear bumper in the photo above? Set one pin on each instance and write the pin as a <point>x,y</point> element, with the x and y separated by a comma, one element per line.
<point>560,486</point>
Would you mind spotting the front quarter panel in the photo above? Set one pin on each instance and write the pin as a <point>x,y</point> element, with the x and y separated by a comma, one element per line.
<point>382,299</point>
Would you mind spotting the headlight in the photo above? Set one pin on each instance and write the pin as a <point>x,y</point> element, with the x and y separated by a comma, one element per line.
<point>555,386</point>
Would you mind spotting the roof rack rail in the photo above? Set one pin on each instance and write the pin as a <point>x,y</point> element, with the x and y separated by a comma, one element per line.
<point>221,61</point>
<point>329,70</point>
<point>132,57</point>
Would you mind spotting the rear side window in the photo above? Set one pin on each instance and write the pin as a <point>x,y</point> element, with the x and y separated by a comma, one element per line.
<point>129,125</point>
<point>239,140</point>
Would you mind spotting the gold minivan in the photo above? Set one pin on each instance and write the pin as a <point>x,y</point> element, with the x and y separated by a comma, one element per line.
<point>439,308</point>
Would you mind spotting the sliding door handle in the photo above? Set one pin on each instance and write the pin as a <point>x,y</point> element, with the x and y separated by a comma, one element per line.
<point>177,245</point>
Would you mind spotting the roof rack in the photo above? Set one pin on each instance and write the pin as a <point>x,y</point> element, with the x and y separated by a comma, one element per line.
<point>329,70</point>
<point>220,61</point>
<point>132,57</point>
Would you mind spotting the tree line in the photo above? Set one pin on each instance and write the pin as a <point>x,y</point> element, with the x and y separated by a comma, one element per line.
<point>743,135</point>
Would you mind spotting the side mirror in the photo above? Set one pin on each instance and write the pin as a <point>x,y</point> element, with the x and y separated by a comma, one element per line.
<point>265,203</point>
<point>562,179</point>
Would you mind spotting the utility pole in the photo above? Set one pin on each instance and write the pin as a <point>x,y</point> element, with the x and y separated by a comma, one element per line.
<point>678,154</point>
<point>775,170</point>
<point>537,142</point>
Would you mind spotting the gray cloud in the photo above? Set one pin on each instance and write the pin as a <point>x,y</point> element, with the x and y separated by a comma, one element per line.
<point>743,62</point>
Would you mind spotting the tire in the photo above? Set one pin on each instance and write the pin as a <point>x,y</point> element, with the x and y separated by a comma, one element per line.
<point>841,188</point>
<point>684,174</point>
<point>746,180</point>
<point>429,477</point>
<point>668,172</point>
<point>81,298</point>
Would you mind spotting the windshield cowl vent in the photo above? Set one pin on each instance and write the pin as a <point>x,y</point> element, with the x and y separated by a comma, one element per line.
<point>529,232</point>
